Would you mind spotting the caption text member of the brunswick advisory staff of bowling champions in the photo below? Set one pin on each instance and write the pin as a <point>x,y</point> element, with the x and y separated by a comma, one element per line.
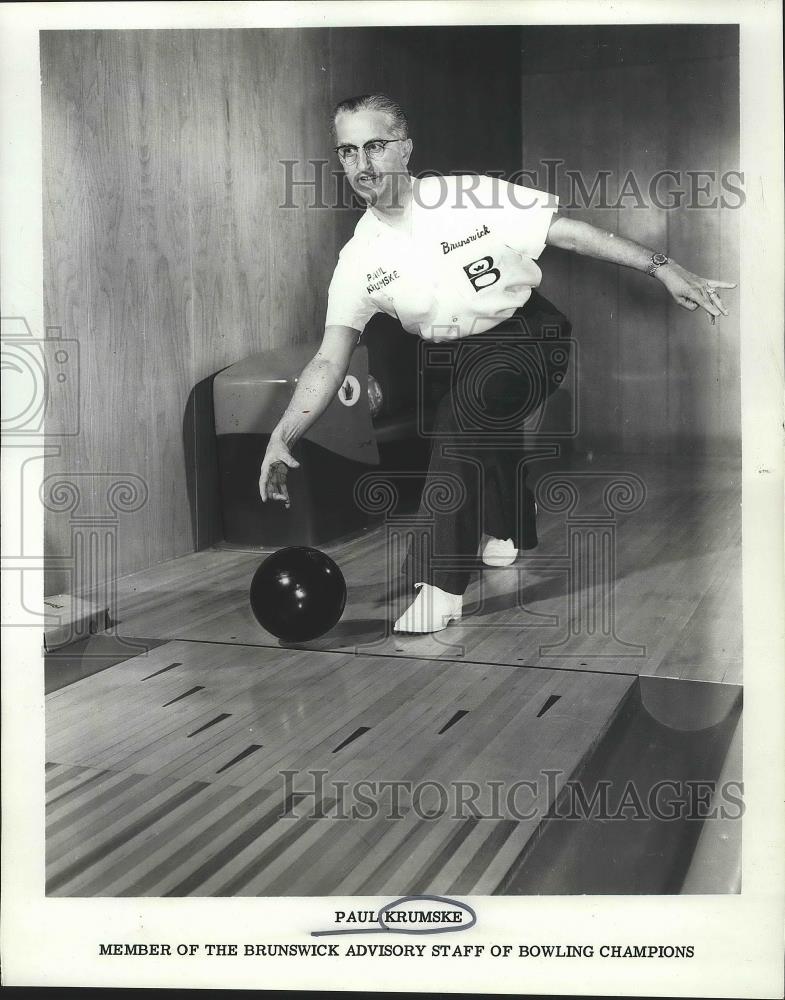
<point>450,257</point>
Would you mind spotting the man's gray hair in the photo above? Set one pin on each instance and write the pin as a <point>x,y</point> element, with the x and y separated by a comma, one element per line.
<point>374,102</point>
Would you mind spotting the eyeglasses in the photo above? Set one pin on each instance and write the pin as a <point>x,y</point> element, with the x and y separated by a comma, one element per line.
<point>374,148</point>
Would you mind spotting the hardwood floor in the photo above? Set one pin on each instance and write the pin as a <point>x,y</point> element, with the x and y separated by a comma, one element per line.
<point>167,771</point>
<point>176,786</point>
<point>671,608</point>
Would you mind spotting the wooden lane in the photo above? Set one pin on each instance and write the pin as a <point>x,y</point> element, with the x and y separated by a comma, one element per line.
<point>406,745</point>
<point>175,858</point>
<point>181,825</point>
<point>113,816</point>
<point>127,849</point>
<point>165,769</point>
<point>677,592</point>
<point>439,760</point>
<point>290,700</point>
<point>518,751</point>
<point>141,704</point>
<point>703,635</point>
<point>293,698</point>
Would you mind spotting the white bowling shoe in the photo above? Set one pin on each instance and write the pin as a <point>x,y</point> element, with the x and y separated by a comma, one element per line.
<point>499,552</point>
<point>431,611</point>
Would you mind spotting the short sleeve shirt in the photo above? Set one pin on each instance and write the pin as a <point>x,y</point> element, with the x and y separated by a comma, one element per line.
<point>467,263</point>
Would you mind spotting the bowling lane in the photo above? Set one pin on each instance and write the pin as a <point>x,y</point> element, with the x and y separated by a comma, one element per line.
<point>176,787</point>
<point>671,606</point>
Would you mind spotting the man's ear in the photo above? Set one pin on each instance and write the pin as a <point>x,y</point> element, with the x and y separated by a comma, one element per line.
<point>406,148</point>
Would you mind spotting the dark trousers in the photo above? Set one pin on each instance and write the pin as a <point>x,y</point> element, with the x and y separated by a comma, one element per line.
<point>476,479</point>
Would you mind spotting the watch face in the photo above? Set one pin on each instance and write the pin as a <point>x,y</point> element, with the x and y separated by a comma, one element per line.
<point>659,258</point>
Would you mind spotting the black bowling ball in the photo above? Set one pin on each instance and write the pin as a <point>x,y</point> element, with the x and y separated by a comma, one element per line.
<point>298,593</point>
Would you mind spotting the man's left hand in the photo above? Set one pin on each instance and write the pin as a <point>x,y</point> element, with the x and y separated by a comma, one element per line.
<point>691,291</point>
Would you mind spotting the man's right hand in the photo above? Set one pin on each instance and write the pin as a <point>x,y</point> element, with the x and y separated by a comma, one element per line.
<point>275,467</point>
<point>319,381</point>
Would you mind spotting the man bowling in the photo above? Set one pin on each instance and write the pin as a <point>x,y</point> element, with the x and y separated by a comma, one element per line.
<point>454,260</point>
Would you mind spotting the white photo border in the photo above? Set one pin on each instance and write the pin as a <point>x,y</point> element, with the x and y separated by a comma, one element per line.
<point>738,939</point>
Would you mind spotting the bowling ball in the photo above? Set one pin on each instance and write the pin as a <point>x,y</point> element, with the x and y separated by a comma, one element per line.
<point>298,593</point>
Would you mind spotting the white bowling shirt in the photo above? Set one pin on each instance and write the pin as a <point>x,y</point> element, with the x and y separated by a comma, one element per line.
<point>466,265</point>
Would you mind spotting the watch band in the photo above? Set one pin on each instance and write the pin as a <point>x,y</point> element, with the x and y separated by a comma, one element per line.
<point>656,260</point>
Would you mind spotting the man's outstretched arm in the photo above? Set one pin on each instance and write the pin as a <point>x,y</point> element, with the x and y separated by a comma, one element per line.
<point>687,289</point>
<point>316,388</point>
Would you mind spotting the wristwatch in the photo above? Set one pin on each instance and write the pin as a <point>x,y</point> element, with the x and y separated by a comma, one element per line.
<point>657,260</point>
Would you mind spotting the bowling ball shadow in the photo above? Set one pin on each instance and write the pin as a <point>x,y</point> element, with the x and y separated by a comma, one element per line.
<point>346,634</point>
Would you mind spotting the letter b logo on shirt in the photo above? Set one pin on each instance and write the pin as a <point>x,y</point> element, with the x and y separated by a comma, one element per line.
<point>482,273</point>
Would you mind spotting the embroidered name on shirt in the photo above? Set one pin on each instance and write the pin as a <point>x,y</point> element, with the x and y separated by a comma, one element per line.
<point>379,278</point>
<point>448,247</point>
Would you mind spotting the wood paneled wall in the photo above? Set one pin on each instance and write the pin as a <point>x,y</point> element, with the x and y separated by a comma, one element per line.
<point>167,253</point>
<point>653,377</point>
